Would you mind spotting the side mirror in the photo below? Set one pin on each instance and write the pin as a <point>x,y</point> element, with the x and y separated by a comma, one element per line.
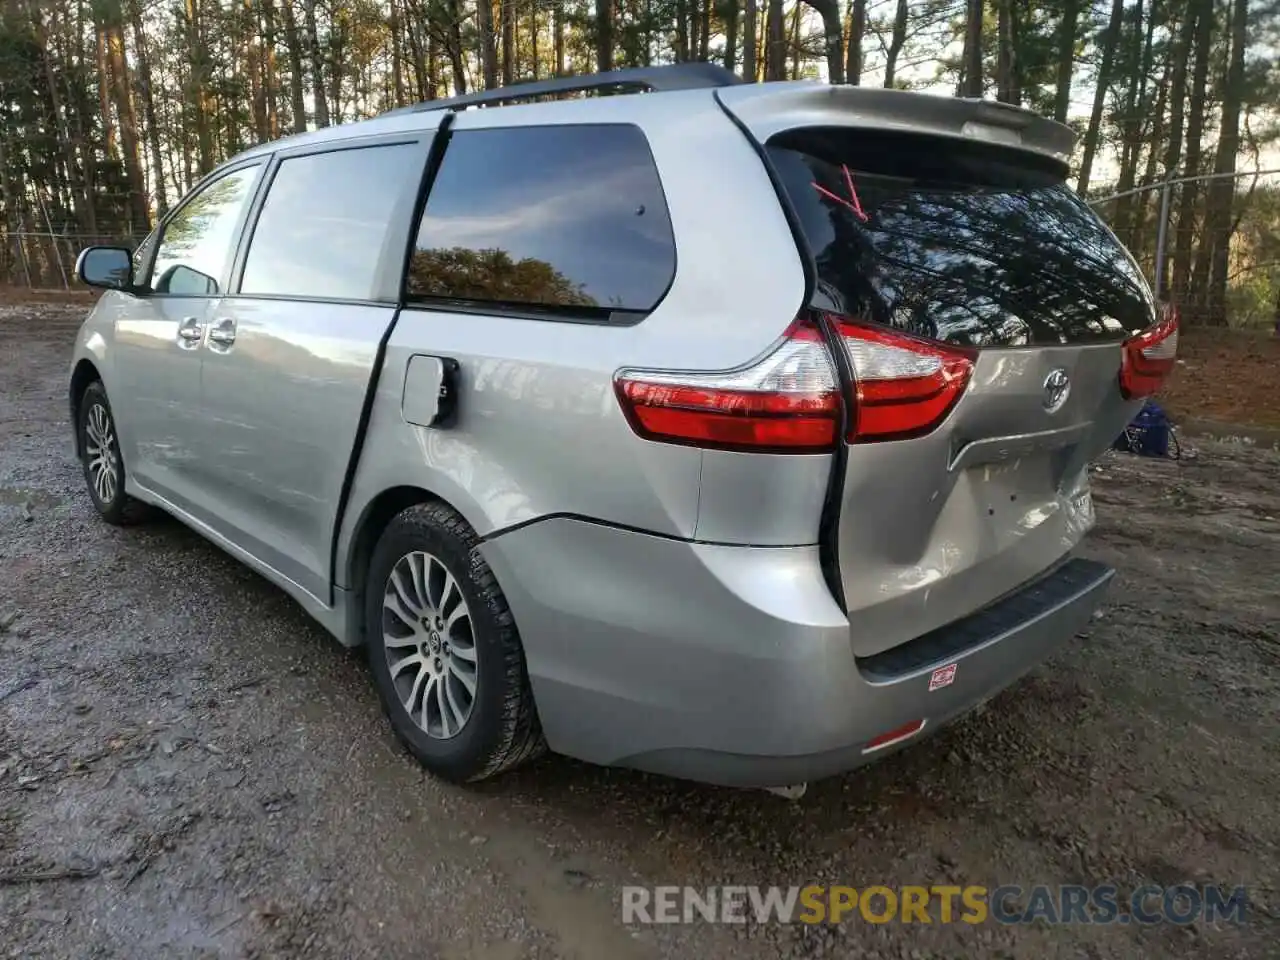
<point>183,280</point>
<point>108,267</point>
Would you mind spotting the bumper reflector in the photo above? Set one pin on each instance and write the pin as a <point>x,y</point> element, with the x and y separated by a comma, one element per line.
<point>896,735</point>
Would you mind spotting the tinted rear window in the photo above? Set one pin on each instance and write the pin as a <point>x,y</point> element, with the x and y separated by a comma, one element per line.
<point>558,219</point>
<point>957,241</point>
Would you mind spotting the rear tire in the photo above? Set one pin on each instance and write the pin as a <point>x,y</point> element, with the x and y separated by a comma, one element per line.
<point>104,470</point>
<point>444,650</point>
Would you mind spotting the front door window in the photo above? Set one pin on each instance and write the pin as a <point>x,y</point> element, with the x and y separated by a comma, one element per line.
<point>198,242</point>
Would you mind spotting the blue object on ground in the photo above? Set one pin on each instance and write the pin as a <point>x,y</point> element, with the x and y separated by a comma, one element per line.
<point>1148,434</point>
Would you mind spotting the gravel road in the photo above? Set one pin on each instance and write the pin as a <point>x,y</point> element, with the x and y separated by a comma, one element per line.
<point>190,768</point>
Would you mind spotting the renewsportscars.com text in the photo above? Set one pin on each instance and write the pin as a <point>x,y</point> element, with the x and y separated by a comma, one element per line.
<point>1008,904</point>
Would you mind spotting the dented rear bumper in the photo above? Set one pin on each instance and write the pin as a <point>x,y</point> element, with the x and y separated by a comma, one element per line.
<point>733,665</point>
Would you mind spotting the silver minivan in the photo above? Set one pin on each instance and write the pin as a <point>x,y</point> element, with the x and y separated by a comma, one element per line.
<point>736,432</point>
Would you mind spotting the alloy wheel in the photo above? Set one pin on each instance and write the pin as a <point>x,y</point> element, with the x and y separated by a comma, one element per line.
<point>102,458</point>
<point>429,642</point>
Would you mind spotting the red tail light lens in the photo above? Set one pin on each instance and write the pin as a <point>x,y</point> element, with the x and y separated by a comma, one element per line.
<point>904,386</point>
<point>1149,356</point>
<point>787,402</point>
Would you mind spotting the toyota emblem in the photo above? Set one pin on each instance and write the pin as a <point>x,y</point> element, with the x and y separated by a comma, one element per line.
<point>1057,386</point>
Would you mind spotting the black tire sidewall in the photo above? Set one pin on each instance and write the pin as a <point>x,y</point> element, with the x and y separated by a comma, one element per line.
<point>114,509</point>
<point>465,755</point>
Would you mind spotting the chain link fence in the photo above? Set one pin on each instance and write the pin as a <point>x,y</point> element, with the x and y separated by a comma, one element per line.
<point>46,260</point>
<point>1175,229</point>
<point>1209,243</point>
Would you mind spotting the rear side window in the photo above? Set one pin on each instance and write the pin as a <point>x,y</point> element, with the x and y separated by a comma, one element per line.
<point>324,222</point>
<point>955,241</point>
<point>563,220</point>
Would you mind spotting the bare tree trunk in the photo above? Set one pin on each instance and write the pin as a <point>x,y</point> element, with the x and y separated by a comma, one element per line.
<point>335,63</point>
<point>682,31</point>
<point>704,32</point>
<point>1181,55</point>
<point>853,49</point>
<point>84,199</point>
<point>1133,123</point>
<point>794,42</point>
<point>971,60</point>
<point>1006,55</point>
<point>397,56</point>
<point>112,29</point>
<point>1110,39</point>
<point>631,39</point>
<point>775,51</point>
<point>220,120</point>
<point>750,69</point>
<point>557,39</point>
<point>896,43</point>
<point>317,64</point>
<point>297,79</point>
<point>730,14</point>
<point>104,95</point>
<point>1066,59</point>
<point>648,33</point>
<point>64,180</point>
<point>1154,139</point>
<point>8,204</point>
<point>533,38</point>
<point>507,16</point>
<point>270,75</point>
<point>86,153</point>
<point>431,81</point>
<point>832,36</point>
<point>1216,249</point>
<point>188,170</point>
<point>604,35</point>
<point>257,95</point>
<point>1201,43</point>
<point>454,33</point>
<point>418,56</point>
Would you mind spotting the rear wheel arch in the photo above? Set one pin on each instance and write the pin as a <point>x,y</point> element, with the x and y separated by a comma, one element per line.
<point>449,602</point>
<point>374,518</point>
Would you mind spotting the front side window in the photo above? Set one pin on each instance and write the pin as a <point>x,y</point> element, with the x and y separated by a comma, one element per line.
<point>559,219</point>
<point>197,244</point>
<point>324,223</point>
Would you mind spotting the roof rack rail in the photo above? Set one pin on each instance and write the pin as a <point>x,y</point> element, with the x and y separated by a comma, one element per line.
<point>674,76</point>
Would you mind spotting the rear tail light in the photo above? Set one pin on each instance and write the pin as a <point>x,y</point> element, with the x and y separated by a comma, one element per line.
<point>787,402</point>
<point>1149,356</point>
<point>904,386</point>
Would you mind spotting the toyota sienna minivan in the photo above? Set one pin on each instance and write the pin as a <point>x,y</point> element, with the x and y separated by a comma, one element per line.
<point>735,432</point>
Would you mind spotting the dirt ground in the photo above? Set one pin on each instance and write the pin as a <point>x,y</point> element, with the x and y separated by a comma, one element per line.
<point>190,768</point>
<point>1226,375</point>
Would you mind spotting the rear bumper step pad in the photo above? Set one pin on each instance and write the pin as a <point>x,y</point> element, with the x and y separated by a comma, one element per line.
<point>990,624</point>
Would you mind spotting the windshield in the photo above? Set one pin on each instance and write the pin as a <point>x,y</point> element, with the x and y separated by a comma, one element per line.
<point>956,241</point>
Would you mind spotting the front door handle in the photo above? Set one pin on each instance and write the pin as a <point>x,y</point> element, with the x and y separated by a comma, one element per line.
<point>189,331</point>
<point>223,332</point>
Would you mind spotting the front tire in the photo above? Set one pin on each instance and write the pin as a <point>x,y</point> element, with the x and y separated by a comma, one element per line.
<point>104,470</point>
<point>444,650</point>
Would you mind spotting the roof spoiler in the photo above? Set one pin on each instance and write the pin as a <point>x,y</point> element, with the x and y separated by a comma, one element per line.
<point>770,108</point>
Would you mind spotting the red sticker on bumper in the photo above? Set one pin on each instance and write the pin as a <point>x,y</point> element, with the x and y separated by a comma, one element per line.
<point>943,677</point>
